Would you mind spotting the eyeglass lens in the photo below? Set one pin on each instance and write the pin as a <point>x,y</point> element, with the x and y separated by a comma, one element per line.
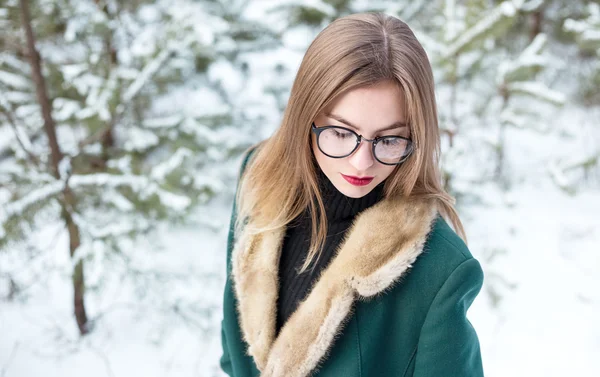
<point>339,142</point>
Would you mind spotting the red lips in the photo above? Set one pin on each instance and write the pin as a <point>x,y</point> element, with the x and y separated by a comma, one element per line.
<point>357,181</point>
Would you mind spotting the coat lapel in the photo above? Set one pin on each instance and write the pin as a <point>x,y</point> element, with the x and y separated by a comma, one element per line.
<point>379,247</point>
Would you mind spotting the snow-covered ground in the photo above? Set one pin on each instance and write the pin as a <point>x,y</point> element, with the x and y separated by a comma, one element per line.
<point>164,323</point>
<point>547,271</point>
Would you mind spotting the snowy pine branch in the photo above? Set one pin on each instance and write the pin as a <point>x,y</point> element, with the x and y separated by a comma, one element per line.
<point>505,11</point>
<point>537,90</point>
<point>141,185</point>
<point>525,66</point>
<point>588,29</point>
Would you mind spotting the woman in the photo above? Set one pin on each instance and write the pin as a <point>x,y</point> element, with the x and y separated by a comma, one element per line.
<point>349,185</point>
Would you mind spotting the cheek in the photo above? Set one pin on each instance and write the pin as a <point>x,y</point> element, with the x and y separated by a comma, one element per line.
<point>330,166</point>
<point>386,171</point>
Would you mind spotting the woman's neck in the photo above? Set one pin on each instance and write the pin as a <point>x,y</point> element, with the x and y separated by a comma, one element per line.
<point>340,207</point>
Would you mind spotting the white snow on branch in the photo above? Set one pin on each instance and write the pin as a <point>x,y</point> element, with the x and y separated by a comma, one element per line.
<point>530,58</point>
<point>64,108</point>
<point>203,133</point>
<point>530,6</point>
<point>12,61</point>
<point>575,26</point>
<point>558,176</point>
<point>589,28</point>
<point>319,5</point>
<point>71,71</point>
<point>143,186</point>
<point>160,171</point>
<point>505,10</point>
<point>585,30</point>
<point>21,135</point>
<point>163,122</point>
<point>537,90</point>
<point>581,161</point>
<point>151,68</point>
<point>145,75</point>
<point>19,206</point>
<point>112,230</point>
<point>209,182</point>
<point>14,81</point>
<point>99,102</point>
<point>64,167</point>
<point>140,140</point>
<point>9,171</point>
<point>523,121</point>
<point>431,45</point>
<point>536,46</point>
<point>119,201</point>
<point>451,24</point>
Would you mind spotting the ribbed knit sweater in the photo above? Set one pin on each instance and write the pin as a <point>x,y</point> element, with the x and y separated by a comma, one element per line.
<point>341,211</point>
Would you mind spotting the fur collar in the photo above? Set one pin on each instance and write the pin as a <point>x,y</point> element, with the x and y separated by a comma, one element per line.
<point>378,248</point>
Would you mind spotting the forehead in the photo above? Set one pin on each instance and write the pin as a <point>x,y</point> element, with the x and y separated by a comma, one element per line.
<point>372,107</point>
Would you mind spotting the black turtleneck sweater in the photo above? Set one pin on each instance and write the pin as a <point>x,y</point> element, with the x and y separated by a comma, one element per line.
<point>341,211</point>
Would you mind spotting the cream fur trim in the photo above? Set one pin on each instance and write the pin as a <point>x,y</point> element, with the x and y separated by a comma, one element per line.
<point>380,246</point>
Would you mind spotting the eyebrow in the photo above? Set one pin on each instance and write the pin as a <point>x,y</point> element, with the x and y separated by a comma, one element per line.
<point>342,120</point>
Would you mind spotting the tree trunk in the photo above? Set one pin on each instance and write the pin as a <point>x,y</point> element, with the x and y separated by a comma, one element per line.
<point>68,201</point>
<point>536,24</point>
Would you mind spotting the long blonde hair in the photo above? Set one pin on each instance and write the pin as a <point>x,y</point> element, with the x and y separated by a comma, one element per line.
<point>354,51</point>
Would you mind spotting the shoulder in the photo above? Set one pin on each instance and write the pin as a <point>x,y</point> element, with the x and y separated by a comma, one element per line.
<point>248,153</point>
<point>444,254</point>
<point>443,238</point>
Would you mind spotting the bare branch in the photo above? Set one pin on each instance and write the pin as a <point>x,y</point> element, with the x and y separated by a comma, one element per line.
<point>21,137</point>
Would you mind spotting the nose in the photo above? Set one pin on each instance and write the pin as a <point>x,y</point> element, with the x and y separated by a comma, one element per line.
<point>362,158</point>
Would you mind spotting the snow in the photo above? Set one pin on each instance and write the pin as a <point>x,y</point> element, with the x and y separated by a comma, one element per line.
<point>504,10</point>
<point>140,184</point>
<point>13,80</point>
<point>154,301</point>
<point>138,139</point>
<point>149,70</point>
<point>19,206</point>
<point>163,122</point>
<point>451,25</point>
<point>143,186</point>
<point>552,261</point>
<point>165,168</point>
<point>537,90</point>
<point>64,109</point>
<point>588,29</point>
<point>158,334</point>
<point>531,6</point>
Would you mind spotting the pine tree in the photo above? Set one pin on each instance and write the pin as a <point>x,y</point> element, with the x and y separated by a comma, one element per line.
<point>142,129</point>
<point>570,173</point>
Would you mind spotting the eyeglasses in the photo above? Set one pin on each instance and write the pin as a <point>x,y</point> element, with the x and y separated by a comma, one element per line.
<point>338,142</point>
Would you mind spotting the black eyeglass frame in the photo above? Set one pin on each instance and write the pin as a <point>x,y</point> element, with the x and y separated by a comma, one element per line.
<point>359,139</point>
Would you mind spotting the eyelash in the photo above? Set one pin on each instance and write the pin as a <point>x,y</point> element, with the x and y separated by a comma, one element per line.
<point>378,134</point>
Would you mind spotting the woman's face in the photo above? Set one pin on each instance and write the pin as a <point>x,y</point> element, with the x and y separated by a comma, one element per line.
<point>378,110</point>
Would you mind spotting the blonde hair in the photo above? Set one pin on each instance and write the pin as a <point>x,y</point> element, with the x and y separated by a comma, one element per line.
<point>353,51</point>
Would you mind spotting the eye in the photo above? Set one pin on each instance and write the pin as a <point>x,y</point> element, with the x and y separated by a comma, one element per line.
<point>390,141</point>
<point>341,134</point>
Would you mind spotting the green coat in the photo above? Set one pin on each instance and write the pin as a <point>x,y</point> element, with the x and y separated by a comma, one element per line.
<point>392,302</point>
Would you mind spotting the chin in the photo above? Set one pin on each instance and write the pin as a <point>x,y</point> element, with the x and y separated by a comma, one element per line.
<point>354,192</point>
<point>356,195</point>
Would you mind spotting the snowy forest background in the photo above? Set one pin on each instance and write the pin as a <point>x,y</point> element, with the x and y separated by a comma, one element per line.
<point>121,130</point>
